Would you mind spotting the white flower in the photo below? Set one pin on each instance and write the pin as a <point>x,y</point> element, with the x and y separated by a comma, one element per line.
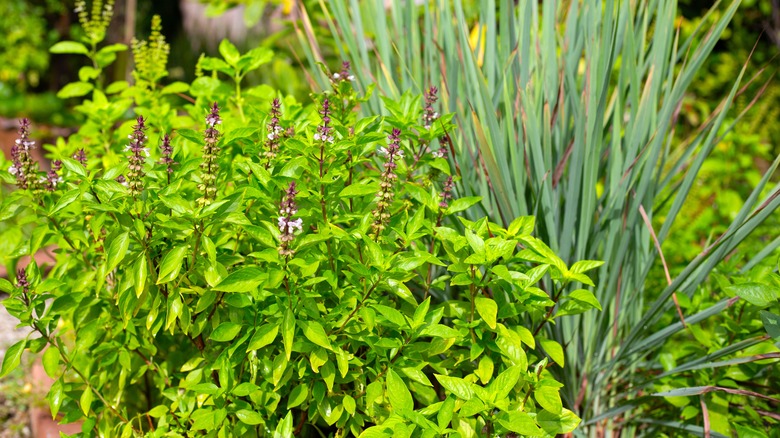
<point>271,136</point>
<point>336,75</point>
<point>298,223</point>
<point>351,77</point>
<point>383,151</point>
<point>330,139</point>
<point>13,170</point>
<point>317,136</point>
<point>438,154</point>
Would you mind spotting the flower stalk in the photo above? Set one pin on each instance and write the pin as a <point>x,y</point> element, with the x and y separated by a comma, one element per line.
<point>23,167</point>
<point>137,158</point>
<point>208,167</point>
<point>387,180</point>
<point>287,225</point>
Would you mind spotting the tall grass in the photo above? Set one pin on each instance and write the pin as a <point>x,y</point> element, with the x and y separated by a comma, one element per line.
<point>567,111</point>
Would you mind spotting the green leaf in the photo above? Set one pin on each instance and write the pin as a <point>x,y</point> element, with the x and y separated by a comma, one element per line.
<point>363,189</point>
<point>758,294</point>
<point>555,424</point>
<point>504,383</point>
<point>771,324</point>
<point>117,251</point>
<point>139,274</point>
<point>65,200</point>
<point>158,411</point>
<point>585,297</point>
<point>549,398</point>
<point>392,315</point>
<point>298,395</point>
<point>225,332</point>
<point>487,309</point>
<point>55,397</point>
<point>462,204</point>
<point>175,88</point>
<point>398,394</point>
<point>244,389</point>
<point>74,89</point>
<point>242,280</point>
<point>13,357</point>
<point>86,401</point>
<point>455,385</point>
<point>285,427</point>
<point>251,418</point>
<point>519,422</point>
<point>583,266</point>
<point>171,264</point>
<point>315,333</point>
<point>51,362</point>
<point>6,286</point>
<point>288,332</point>
<point>69,47</point>
<point>554,350</point>
<point>229,52</point>
<point>263,336</point>
<point>349,404</point>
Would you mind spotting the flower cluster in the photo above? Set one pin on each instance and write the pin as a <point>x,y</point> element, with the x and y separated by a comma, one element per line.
<point>81,157</point>
<point>344,74</point>
<point>275,132</point>
<point>429,114</point>
<point>21,280</point>
<point>52,177</point>
<point>287,225</point>
<point>23,167</point>
<point>324,133</point>
<point>151,57</point>
<point>96,22</point>
<point>392,152</point>
<point>208,167</point>
<point>446,193</point>
<point>167,152</point>
<point>137,158</point>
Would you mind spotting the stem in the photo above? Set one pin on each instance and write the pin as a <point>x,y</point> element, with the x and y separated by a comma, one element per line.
<point>360,304</point>
<point>239,99</point>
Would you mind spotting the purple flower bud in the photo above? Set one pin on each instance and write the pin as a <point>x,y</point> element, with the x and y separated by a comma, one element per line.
<point>208,166</point>
<point>288,225</point>
<point>52,177</point>
<point>446,193</point>
<point>137,157</point>
<point>21,280</point>
<point>167,152</point>
<point>81,157</point>
<point>385,195</point>
<point>23,167</point>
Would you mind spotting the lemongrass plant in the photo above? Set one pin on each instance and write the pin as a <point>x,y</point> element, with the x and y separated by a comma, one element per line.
<point>567,111</point>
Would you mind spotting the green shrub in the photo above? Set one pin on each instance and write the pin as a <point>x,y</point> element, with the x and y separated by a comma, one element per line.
<point>567,111</point>
<point>281,269</point>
